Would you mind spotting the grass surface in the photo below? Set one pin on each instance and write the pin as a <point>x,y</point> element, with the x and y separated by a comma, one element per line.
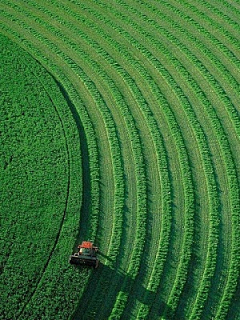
<point>144,131</point>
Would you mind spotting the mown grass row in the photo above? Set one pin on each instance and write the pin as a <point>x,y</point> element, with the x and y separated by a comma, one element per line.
<point>224,34</point>
<point>187,35</point>
<point>231,170</point>
<point>159,148</point>
<point>200,48</point>
<point>225,101</point>
<point>226,150</point>
<point>121,50</point>
<point>226,10</point>
<point>210,170</point>
<point>223,22</point>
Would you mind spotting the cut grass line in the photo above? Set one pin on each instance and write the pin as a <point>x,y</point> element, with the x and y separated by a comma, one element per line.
<point>222,20</point>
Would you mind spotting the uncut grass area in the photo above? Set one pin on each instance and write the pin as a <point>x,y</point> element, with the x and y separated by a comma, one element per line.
<point>35,172</point>
<point>120,123</point>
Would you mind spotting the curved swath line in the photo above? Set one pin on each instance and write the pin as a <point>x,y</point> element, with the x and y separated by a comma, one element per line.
<point>64,213</point>
<point>228,48</point>
<point>193,36</point>
<point>213,15</point>
<point>66,40</point>
<point>58,12</point>
<point>196,13</point>
<point>234,4</point>
<point>226,55</point>
<point>110,86</point>
<point>226,9</point>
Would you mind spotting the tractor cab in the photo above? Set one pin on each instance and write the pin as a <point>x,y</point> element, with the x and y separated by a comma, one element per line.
<point>86,255</point>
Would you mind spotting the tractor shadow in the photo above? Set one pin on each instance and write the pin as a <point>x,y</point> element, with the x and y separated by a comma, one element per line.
<point>103,286</point>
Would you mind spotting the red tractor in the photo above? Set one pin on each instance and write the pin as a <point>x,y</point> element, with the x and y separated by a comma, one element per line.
<point>86,255</point>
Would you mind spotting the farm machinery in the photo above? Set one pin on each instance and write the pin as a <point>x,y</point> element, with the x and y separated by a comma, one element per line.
<point>86,255</point>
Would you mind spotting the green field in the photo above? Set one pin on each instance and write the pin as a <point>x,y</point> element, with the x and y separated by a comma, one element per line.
<point>120,123</point>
